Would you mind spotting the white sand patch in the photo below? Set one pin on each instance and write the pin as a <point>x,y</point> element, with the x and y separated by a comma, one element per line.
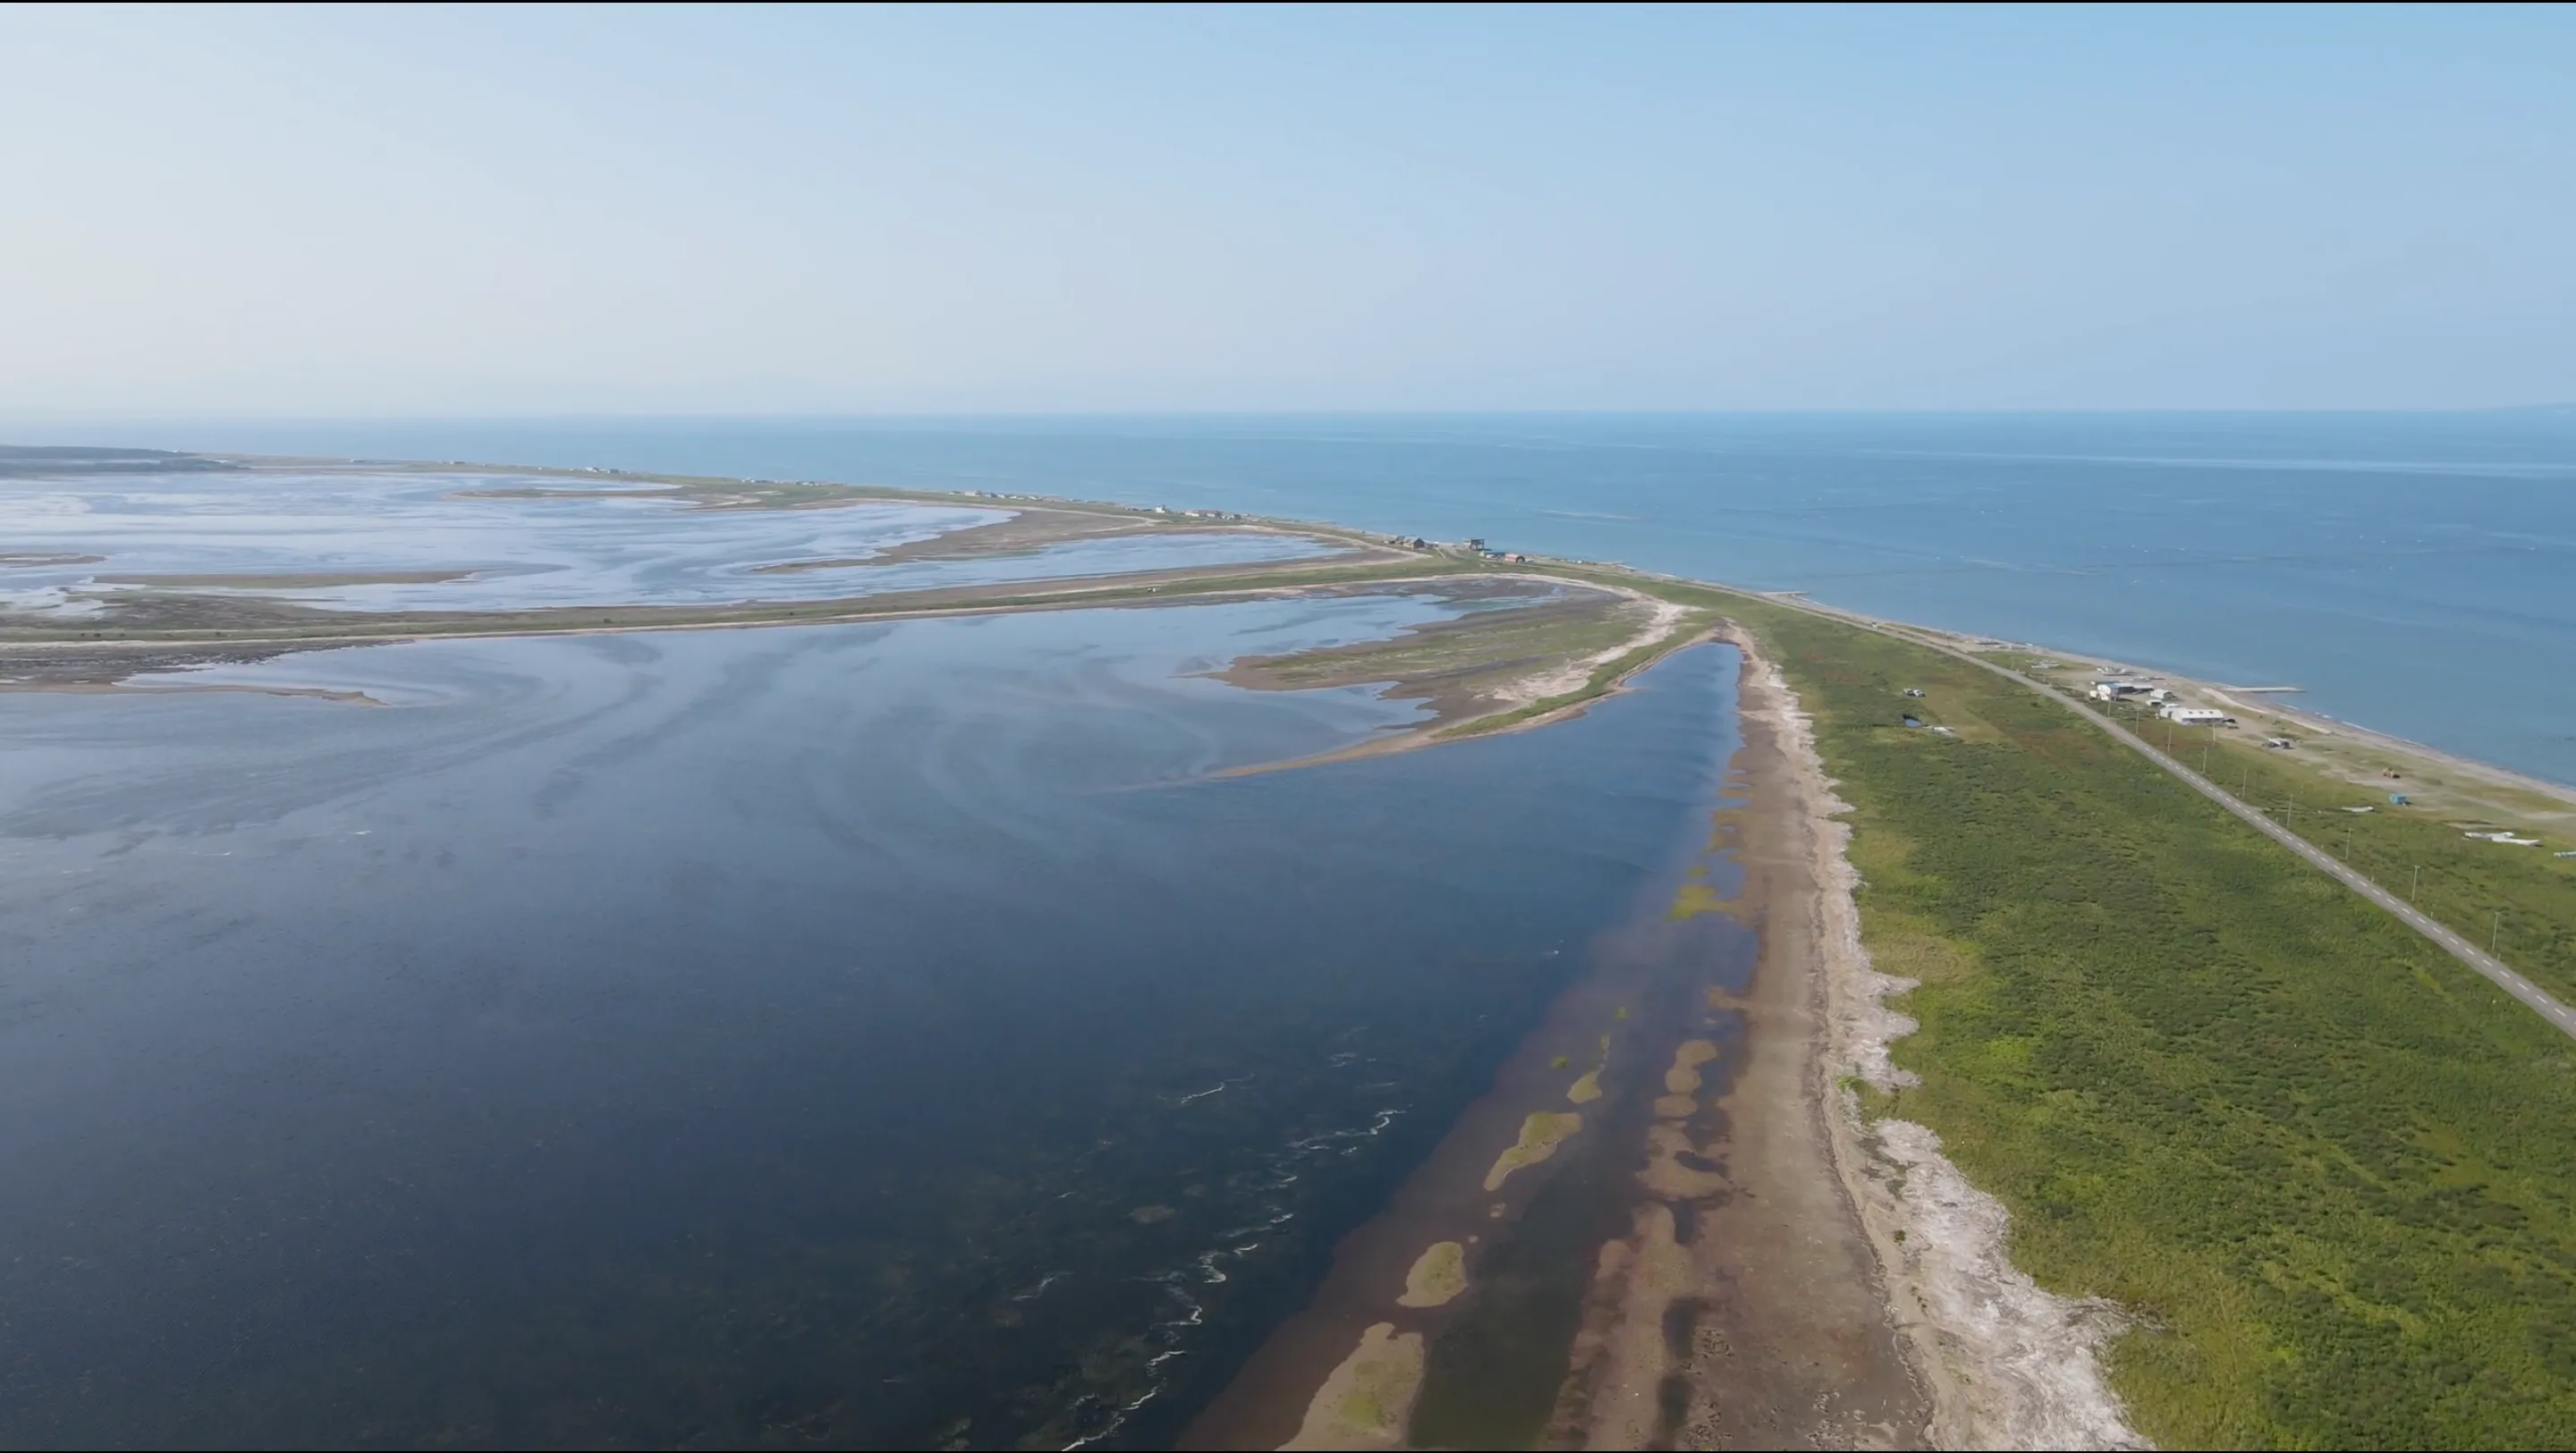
<point>1572,676</point>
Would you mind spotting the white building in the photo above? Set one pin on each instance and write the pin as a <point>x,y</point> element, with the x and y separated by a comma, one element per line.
<point>2195,716</point>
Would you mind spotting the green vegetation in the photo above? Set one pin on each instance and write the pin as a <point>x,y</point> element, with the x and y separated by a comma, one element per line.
<point>1461,666</point>
<point>1608,674</point>
<point>1541,1134</point>
<point>1437,1276</point>
<point>2327,1168</point>
<point>2520,898</point>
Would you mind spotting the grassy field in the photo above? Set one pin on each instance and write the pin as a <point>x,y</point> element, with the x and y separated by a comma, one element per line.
<point>2327,1168</point>
<point>2520,898</point>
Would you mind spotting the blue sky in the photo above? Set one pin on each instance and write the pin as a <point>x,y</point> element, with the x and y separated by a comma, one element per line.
<point>366,212</point>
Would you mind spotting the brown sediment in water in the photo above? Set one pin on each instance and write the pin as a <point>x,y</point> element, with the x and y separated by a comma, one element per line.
<point>1444,1200</point>
<point>1687,1270</point>
<point>1748,1309</point>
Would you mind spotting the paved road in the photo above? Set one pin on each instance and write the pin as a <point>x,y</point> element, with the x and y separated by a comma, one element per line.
<point>2486,964</point>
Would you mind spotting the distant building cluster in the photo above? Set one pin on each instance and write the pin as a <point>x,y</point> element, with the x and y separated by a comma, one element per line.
<point>1473,545</point>
<point>2167,704</point>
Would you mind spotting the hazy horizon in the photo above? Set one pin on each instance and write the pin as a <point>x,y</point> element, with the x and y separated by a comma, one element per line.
<point>356,214</point>
<point>56,421</point>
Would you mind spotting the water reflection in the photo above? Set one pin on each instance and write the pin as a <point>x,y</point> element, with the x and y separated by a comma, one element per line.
<point>881,1036</point>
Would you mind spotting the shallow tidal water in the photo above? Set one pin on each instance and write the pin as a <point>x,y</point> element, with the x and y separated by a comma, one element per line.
<point>2408,569</point>
<point>841,1036</point>
<point>592,543</point>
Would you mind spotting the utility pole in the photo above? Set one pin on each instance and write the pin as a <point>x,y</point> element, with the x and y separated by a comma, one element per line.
<point>2493,931</point>
<point>2416,882</point>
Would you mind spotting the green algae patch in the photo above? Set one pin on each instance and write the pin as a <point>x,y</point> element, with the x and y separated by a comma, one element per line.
<point>1541,1134</point>
<point>1437,1277</point>
<point>1693,899</point>
<point>1365,1402</point>
<point>1587,1089</point>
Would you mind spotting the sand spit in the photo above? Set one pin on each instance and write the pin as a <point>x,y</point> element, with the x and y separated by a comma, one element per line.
<point>1657,622</point>
<point>2007,1364</point>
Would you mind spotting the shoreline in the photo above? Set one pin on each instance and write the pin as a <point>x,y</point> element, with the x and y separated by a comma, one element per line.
<point>1715,1284</point>
<point>1863,1250</point>
<point>2251,701</point>
<point>2005,1362</point>
<point>1375,554</point>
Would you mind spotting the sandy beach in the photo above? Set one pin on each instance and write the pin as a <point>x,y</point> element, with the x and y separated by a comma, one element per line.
<point>1723,1290</point>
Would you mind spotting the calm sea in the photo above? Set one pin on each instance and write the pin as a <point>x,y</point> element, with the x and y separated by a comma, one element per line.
<point>2412,572</point>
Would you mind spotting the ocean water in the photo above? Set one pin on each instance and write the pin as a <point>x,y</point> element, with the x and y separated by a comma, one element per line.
<point>878,1035</point>
<point>2412,572</point>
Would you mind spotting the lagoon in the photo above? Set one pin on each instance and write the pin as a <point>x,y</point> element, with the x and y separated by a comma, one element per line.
<point>883,1035</point>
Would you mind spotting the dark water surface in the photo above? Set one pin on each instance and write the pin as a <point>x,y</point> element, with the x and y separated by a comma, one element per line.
<point>2410,570</point>
<point>823,1036</point>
